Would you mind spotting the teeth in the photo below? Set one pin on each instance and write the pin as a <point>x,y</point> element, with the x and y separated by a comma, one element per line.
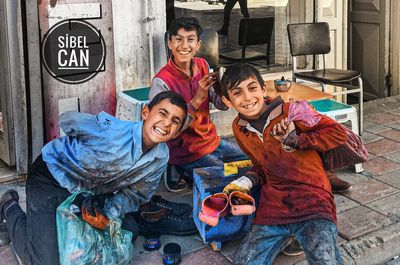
<point>249,105</point>
<point>184,53</point>
<point>160,131</point>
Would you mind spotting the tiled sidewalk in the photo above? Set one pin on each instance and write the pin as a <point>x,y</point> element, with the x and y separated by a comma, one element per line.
<point>368,215</point>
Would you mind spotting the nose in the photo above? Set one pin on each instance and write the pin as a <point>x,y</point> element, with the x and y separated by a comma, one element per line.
<point>246,94</point>
<point>185,42</point>
<point>167,121</point>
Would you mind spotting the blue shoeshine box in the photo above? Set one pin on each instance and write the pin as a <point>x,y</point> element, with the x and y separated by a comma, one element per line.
<point>207,181</point>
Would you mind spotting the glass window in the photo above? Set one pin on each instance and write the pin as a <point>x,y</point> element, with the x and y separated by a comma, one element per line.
<point>211,15</point>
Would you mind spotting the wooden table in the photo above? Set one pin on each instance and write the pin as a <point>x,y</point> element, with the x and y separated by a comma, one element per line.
<point>297,91</point>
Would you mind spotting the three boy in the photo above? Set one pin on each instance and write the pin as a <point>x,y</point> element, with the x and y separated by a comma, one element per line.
<point>121,162</point>
<point>296,197</point>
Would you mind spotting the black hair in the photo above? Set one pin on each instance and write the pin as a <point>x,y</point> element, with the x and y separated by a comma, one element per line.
<point>236,74</point>
<point>174,98</point>
<point>187,23</point>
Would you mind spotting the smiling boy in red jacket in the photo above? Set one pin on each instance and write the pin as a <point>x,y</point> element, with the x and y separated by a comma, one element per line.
<point>296,197</point>
<point>199,145</point>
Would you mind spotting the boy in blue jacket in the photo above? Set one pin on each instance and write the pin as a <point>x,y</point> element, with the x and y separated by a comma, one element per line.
<point>121,162</point>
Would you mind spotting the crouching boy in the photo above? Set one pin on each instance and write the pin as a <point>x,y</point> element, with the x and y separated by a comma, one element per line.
<point>296,197</point>
<point>119,161</point>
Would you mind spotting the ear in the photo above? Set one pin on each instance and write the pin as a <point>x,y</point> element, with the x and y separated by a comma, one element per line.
<point>227,102</point>
<point>264,89</point>
<point>199,44</point>
<point>169,43</point>
<point>145,112</point>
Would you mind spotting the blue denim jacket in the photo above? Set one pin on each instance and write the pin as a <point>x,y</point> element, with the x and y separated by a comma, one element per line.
<point>104,154</point>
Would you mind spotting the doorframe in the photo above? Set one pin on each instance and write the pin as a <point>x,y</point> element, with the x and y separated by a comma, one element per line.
<point>23,81</point>
<point>7,143</point>
<point>17,84</point>
<point>33,76</point>
<point>394,54</point>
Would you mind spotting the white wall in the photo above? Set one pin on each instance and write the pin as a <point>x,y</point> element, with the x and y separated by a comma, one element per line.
<point>95,95</point>
<point>139,51</point>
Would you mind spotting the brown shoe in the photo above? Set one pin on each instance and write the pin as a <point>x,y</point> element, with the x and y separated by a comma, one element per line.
<point>155,216</point>
<point>166,223</point>
<point>338,185</point>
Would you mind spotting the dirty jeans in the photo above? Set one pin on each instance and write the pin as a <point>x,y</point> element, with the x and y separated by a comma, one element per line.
<point>226,151</point>
<point>264,242</point>
<point>34,234</point>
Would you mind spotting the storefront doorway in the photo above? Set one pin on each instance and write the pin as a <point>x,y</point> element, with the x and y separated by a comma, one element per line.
<point>7,150</point>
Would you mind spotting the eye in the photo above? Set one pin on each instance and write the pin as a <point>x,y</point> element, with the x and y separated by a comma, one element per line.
<point>163,114</point>
<point>253,88</point>
<point>236,92</point>
<point>176,122</point>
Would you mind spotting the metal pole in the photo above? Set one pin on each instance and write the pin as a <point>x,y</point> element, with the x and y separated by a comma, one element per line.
<point>314,20</point>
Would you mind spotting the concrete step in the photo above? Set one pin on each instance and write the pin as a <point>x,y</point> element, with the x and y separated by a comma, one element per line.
<point>8,174</point>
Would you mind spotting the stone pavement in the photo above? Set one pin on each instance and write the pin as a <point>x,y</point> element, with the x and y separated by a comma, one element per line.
<point>368,215</point>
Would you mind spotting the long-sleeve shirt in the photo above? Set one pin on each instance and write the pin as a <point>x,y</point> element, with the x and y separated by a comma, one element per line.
<point>295,186</point>
<point>104,154</point>
<point>200,138</point>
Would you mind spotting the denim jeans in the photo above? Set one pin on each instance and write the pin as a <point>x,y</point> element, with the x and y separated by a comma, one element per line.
<point>227,151</point>
<point>264,242</point>
<point>34,234</point>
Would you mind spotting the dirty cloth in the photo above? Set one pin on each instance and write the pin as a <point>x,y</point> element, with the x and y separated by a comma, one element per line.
<point>350,153</point>
<point>317,238</point>
<point>104,155</point>
<point>295,186</point>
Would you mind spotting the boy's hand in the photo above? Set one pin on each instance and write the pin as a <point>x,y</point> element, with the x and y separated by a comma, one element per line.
<point>204,86</point>
<point>242,184</point>
<point>281,130</point>
<point>99,220</point>
<point>91,208</point>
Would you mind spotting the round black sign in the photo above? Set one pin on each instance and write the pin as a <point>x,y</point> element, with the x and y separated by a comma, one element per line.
<point>73,51</point>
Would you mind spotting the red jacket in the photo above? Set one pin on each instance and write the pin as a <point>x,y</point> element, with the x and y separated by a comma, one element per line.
<point>201,137</point>
<point>295,186</point>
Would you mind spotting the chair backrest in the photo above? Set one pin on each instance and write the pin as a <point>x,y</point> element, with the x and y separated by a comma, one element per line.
<point>209,47</point>
<point>309,38</point>
<point>208,50</point>
<point>255,31</point>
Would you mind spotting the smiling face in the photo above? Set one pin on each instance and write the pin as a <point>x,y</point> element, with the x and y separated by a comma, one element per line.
<point>247,98</point>
<point>184,45</point>
<point>162,123</point>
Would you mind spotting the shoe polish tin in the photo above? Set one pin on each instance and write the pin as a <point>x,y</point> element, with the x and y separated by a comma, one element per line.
<point>152,241</point>
<point>172,254</point>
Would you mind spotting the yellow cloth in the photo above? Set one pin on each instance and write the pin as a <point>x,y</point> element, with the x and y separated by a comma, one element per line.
<point>231,168</point>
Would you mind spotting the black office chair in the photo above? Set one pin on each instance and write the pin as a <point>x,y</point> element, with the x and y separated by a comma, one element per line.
<point>208,49</point>
<point>252,31</point>
<point>314,39</point>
